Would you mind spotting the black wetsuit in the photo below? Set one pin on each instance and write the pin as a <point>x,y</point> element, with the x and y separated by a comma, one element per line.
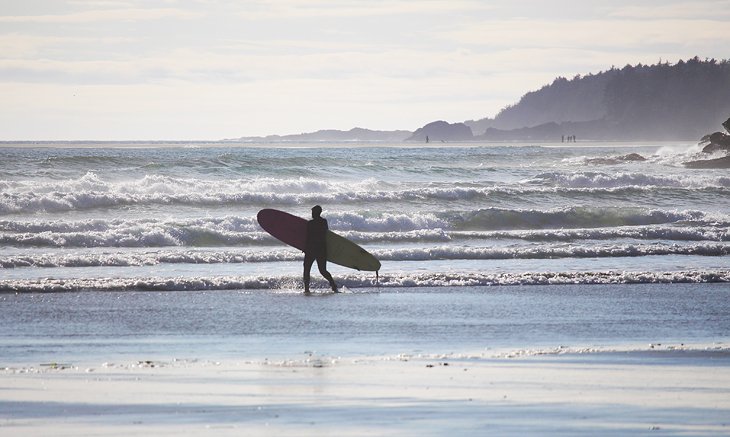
<point>316,250</point>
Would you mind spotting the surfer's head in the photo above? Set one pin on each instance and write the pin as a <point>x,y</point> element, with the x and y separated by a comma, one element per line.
<point>316,211</point>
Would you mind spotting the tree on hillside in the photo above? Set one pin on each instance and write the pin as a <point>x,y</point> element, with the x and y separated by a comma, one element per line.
<point>669,101</point>
<point>662,101</point>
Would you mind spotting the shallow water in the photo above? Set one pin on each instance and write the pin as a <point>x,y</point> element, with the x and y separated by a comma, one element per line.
<point>111,326</point>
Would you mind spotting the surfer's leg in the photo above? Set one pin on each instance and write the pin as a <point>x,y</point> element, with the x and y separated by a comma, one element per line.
<point>322,265</point>
<point>308,261</point>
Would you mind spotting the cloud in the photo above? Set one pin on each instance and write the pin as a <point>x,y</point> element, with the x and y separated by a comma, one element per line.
<point>604,34</point>
<point>102,15</point>
<point>195,66</point>
<point>214,68</point>
<point>715,10</point>
<point>357,8</point>
<point>272,61</point>
<point>29,46</point>
<point>210,111</point>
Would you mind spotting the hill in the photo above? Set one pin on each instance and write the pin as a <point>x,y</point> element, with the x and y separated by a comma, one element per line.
<point>642,102</point>
<point>664,101</point>
<point>331,135</point>
<point>442,131</point>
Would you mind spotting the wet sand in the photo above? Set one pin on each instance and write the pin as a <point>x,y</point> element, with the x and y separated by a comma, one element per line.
<point>651,389</point>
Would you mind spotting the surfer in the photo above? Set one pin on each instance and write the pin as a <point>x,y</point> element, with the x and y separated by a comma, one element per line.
<point>316,248</point>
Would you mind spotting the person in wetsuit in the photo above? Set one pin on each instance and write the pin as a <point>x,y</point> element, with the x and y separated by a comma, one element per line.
<point>316,248</point>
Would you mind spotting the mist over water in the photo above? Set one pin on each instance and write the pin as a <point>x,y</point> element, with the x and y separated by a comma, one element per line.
<point>122,219</point>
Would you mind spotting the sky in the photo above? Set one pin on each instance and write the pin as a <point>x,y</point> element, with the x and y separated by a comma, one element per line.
<point>210,69</point>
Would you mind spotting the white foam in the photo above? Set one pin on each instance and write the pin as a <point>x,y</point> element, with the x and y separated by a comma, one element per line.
<point>550,251</point>
<point>626,179</point>
<point>229,230</point>
<point>577,217</point>
<point>386,222</point>
<point>714,348</point>
<point>558,224</point>
<point>126,258</point>
<point>360,281</point>
<point>91,191</point>
<point>667,233</point>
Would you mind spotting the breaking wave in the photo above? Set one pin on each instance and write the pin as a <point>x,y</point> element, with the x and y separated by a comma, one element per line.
<point>573,217</point>
<point>360,281</point>
<point>224,231</point>
<point>622,179</point>
<point>561,224</point>
<point>92,192</point>
<point>125,259</point>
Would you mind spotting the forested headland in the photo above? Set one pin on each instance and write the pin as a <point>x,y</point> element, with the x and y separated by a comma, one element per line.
<point>664,101</point>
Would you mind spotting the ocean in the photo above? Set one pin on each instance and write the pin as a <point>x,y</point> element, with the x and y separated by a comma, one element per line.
<point>121,249</point>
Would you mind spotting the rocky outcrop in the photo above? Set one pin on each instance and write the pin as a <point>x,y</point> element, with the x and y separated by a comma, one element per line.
<point>544,132</point>
<point>723,162</point>
<point>442,131</point>
<point>717,141</point>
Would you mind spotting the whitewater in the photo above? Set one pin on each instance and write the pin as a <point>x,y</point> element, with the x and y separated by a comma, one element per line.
<point>183,218</point>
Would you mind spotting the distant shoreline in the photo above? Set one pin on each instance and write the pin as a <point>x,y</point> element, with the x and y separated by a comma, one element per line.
<point>91,144</point>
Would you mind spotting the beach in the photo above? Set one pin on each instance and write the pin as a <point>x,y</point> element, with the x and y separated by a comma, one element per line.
<point>508,360</point>
<point>639,392</point>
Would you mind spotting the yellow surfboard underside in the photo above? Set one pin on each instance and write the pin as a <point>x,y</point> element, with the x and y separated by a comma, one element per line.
<point>344,252</point>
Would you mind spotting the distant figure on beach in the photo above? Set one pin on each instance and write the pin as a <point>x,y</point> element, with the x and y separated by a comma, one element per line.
<point>316,248</point>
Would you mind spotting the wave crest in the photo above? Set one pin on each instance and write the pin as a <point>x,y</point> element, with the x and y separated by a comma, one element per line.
<point>591,179</point>
<point>560,224</point>
<point>93,192</point>
<point>125,259</point>
<point>291,283</point>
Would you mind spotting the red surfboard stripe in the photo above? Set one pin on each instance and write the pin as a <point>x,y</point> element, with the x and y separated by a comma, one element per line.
<point>285,227</point>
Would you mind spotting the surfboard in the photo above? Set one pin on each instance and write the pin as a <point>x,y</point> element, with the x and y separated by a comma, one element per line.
<point>292,230</point>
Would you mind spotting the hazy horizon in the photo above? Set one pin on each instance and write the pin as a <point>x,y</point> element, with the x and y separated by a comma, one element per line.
<point>206,70</point>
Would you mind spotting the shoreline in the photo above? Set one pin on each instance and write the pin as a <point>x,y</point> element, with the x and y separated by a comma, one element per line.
<point>358,283</point>
<point>194,144</point>
<point>664,388</point>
